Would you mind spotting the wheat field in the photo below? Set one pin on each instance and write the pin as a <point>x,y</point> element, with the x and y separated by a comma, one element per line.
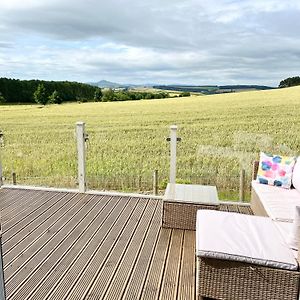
<point>221,134</point>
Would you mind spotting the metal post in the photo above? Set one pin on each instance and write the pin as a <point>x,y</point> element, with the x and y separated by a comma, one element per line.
<point>155,182</point>
<point>1,172</point>
<point>242,185</point>
<point>80,134</point>
<point>2,285</point>
<point>173,139</point>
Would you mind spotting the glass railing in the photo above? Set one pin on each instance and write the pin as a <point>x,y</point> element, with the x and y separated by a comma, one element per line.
<point>43,157</point>
<point>124,159</point>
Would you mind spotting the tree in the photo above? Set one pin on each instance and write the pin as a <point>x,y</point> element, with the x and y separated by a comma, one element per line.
<point>2,99</point>
<point>40,95</point>
<point>291,81</point>
<point>55,98</point>
<point>185,94</point>
<point>98,95</point>
<point>108,95</point>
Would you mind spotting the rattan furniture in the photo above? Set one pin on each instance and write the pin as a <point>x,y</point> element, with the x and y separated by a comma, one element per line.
<point>229,280</point>
<point>243,274</point>
<point>275,202</point>
<point>256,205</point>
<point>181,202</point>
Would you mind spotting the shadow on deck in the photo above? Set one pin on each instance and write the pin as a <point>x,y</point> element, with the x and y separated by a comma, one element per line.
<point>60,245</point>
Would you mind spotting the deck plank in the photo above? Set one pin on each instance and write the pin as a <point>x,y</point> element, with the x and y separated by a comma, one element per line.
<point>76,249</point>
<point>104,259</point>
<point>128,241</point>
<point>108,232</point>
<point>32,236</point>
<point>169,287</point>
<point>15,225</point>
<point>37,238</point>
<point>186,288</point>
<point>141,240</point>
<point>138,275</point>
<point>25,201</point>
<point>77,228</point>
<point>9,196</point>
<point>151,289</point>
<point>35,257</point>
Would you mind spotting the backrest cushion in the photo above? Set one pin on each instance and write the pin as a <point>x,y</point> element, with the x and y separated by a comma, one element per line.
<point>294,236</point>
<point>296,175</point>
<point>276,170</point>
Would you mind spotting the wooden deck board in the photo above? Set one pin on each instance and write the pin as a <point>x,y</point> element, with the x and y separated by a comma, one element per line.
<point>123,251</point>
<point>16,235</point>
<point>60,245</point>
<point>127,266</point>
<point>47,241</point>
<point>105,258</point>
<point>34,218</point>
<point>77,248</point>
<point>30,236</point>
<point>9,196</point>
<point>109,230</point>
<point>151,289</point>
<point>170,281</point>
<point>22,282</point>
<point>21,205</point>
<point>186,286</point>
<point>139,273</point>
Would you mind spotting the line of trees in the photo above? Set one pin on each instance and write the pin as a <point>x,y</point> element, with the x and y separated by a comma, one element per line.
<point>43,92</point>
<point>24,91</point>
<point>288,82</point>
<point>125,95</point>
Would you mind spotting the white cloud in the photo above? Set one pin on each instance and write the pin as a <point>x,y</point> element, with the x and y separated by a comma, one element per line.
<point>248,41</point>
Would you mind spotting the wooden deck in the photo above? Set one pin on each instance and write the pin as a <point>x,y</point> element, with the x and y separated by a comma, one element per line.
<point>60,245</point>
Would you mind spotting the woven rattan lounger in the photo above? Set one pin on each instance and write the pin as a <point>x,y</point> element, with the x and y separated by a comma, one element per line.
<point>243,257</point>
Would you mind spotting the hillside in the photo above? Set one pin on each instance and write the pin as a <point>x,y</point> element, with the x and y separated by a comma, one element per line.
<point>106,84</point>
<point>220,135</point>
<point>213,89</point>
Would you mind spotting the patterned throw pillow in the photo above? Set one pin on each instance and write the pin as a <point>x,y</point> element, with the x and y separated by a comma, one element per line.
<point>276,170</point>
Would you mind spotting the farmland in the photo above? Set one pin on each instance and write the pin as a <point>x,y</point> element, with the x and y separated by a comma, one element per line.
<point>127,140</point>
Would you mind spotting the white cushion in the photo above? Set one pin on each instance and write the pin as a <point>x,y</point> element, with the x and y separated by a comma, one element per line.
<point>285,228</point>
<point>296,175</point>
<point>237,237</point>
<point>279,203</point>
<point>293,238</point>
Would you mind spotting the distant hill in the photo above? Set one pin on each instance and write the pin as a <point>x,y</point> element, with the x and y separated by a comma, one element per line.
<point>213,89</point>
<point>204,89</point>
<point>115,85</point>
<point>106,84</point>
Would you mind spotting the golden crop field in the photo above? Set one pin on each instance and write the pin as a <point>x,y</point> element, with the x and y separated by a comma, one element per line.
<point>221,134</point>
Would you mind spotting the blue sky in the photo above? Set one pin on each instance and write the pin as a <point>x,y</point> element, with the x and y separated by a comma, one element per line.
<point>170,41</point>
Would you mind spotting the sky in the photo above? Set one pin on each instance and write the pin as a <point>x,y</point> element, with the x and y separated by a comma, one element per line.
<point>151,41</point>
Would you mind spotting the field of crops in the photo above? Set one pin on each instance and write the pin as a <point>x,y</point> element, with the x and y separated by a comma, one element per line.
<point>220,135</point>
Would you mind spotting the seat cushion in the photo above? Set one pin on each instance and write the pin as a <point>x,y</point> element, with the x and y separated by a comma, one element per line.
<point>285,229</point>
<point>296,175</point>
<point>244,238</point>
<point>278,203</point>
